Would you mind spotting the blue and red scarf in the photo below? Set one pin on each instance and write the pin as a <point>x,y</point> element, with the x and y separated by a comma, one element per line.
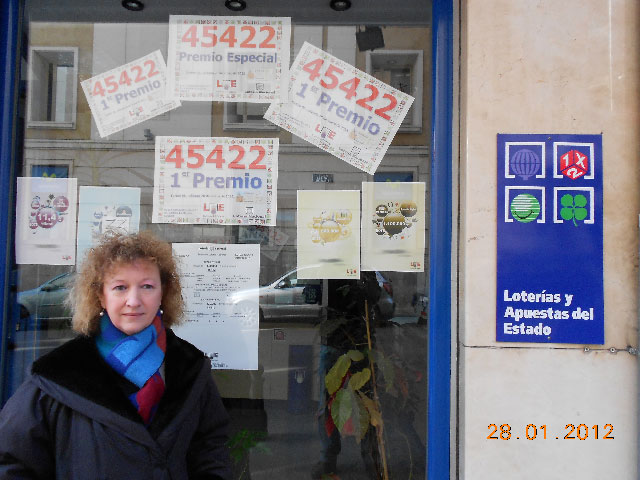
<point>137,358</point>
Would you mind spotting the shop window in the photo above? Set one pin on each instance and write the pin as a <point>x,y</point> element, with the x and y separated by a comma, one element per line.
<point>402,69</point>
<point>246,116</point>
<point>52,87</point>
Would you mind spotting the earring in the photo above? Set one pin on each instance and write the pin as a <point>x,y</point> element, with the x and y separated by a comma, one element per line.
<point>161,311</point>
<point>101,313</point>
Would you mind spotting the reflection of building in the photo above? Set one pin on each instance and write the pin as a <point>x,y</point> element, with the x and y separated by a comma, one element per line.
<point>126,158</point>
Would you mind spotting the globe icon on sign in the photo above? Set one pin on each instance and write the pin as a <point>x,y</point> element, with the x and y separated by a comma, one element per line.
<point>525,163</point>
<point>525,208</point>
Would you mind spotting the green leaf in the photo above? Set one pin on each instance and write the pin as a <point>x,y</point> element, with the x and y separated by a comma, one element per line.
<point>355,355</point>
<point>567,201</point>
<point>566,213</point>
<point>375,417</point>
<point>387,370</point>
<point>580,200</point>
<point>341,408</point>
<point>580,213</point>
<point>361,419</point>
<point>359,379</point>
<point>334,376</point>
<point>327,327</point>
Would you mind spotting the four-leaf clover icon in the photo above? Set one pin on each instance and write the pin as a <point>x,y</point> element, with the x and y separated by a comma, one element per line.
<point>573,207</point>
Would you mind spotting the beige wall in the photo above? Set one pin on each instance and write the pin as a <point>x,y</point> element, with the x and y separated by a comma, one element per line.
<point>548,67</point>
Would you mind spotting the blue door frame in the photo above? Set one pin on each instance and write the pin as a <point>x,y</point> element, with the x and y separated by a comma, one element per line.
<point>9,27</point>
<point>440,237</point>
<point>440,232</point>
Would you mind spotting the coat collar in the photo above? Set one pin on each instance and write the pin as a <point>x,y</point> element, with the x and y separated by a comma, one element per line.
<point>77,366</point>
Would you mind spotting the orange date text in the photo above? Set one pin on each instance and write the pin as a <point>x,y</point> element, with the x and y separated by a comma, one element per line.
<point>541,432</point>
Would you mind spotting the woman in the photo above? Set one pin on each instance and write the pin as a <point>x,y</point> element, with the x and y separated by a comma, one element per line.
<point>126,399</point>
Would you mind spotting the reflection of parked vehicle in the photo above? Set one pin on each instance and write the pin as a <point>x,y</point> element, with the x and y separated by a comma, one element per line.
<point>43,307</point>
<point>292,298</point>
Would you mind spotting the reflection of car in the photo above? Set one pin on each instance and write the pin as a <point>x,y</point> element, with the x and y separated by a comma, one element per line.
<point>43,307</point>
<point>292,298</point>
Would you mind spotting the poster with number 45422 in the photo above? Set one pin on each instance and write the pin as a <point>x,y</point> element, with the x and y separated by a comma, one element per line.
<point>340,109</point>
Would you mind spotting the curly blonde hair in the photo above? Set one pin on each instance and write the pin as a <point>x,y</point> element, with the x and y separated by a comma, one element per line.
<point>112,252</point>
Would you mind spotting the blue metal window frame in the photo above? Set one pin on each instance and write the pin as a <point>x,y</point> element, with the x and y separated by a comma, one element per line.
<point>439,369</point>
<point>440,236</point>
<point>10,17</point>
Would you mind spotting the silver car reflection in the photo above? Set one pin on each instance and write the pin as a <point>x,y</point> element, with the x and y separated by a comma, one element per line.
<point>289,298</point>
<point>43,307</point>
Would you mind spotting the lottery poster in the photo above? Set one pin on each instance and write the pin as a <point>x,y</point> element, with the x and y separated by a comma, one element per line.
<point>220,288</point>
<point>129,94</point>
<point>340,109</point>
<point>215,180</point>
<point>46,221</point>
<point>328,230</point>
<point>231,59</point>
<point>103,211</point>
<point>393,226</point>
<point>550,279</point>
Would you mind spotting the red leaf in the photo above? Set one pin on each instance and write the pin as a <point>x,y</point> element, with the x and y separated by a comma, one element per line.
<point>329,426</point>
<point>348,427</point>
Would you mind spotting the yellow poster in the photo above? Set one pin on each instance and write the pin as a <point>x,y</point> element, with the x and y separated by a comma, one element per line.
<point>393,223</point>
<point>328,234</point>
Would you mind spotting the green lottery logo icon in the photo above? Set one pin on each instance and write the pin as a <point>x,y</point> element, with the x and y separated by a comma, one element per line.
<point>525,208</point>
<point>573,207</point>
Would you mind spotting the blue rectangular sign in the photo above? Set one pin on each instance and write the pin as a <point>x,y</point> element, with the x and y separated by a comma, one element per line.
<point>550,253</point>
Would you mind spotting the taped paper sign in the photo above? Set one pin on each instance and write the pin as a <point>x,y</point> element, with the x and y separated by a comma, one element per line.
<point>106,210</point>
<point>221,303</point>
<point>328,234</point>
<point>393,227</point>
<point>232,59</point>
<point>46,221</point>
<point>129,94</point>
<point>340,109</point>
<point>223,181</point>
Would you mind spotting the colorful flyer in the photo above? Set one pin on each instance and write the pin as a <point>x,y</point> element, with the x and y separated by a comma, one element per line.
<point>223,180</point>
<point>46,221</point>
<point>340,109</point>
<point>231,59</point>
<point>328,234</point>
<point>550,273</point>
<point>105,210</point>
<point>129,94</point>
<point>393,223</point>
<point>220,288</point>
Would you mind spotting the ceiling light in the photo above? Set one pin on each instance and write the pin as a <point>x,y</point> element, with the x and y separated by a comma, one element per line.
<point>133,5</point>
<point>235,5</point>
<point>340,5</point>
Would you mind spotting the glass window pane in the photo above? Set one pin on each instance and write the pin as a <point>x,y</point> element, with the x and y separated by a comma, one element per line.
<point>315,335</point>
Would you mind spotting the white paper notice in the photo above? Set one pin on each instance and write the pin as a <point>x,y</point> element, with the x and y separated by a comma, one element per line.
<point>225,181</point>
<point>46,221</point>
<point>328,234</point>
<point>393,226</point>
<point>340,109</point>
<point>129,94</point>
<point>220,288</point>
<point>232,59</point>
<point>103,210</point>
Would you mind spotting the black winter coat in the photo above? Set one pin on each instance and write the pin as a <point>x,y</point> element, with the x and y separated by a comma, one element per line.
<point>71,420</point>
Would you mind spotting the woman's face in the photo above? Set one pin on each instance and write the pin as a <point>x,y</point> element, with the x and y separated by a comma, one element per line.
<point>131,295</point>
